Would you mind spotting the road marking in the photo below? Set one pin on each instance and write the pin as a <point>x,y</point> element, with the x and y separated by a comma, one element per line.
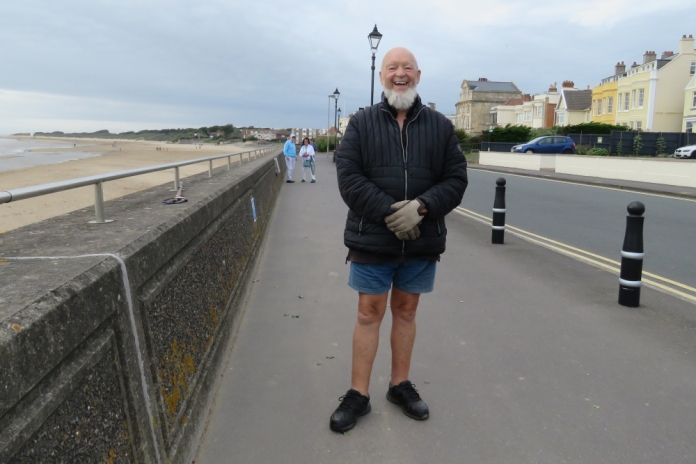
<point>627,189</point>
<point>594,259</point>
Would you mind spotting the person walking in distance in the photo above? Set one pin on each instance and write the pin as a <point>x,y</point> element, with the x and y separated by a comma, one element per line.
<point>290,152</point>
<point>307,154</point>
<point>400,171</point>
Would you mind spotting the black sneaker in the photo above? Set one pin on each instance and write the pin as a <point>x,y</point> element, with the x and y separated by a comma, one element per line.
<point>289,181</point>
<point>406,396</point>
<point>353,405</point>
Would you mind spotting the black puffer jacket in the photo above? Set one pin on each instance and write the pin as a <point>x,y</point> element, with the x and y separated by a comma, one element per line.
<point>378,165</point>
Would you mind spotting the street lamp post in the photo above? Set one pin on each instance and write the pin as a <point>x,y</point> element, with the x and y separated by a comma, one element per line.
<point>338,117</point>
<point>374,37</point>
<point>328,116</point>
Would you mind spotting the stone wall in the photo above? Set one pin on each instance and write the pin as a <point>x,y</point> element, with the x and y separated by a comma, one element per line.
<point>112,335</point>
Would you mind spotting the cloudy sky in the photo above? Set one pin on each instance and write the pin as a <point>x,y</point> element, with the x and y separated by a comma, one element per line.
<point>85,65</point>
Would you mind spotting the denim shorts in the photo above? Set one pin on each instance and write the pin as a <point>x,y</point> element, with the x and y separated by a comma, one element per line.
<point>412,276</point>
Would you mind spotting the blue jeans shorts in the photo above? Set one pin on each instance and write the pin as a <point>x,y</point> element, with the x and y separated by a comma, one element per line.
<point>412,276</point>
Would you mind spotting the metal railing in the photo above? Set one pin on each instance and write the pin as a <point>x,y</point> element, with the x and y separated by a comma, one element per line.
<point>98,180</point>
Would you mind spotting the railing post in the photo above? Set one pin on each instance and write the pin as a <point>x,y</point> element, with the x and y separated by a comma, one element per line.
<point>632,257</point>
<point>176,178</point>
<point>240,158</point>
<point>210,168</point>
<point>498,236</point>
<point>229,163</point>
<point>99,205</point>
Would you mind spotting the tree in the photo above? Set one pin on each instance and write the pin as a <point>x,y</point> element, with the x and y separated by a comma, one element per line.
<point>637,145</point>
<point>462,136</point>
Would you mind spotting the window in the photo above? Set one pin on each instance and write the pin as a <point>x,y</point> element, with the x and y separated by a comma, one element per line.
<point>693,100</point>
<point>560,118</point>
<point>518,117</point>
<point>620,107</point>
<point>639,125</point>
<point>692,70</point>
<point>689,126</point>
<point>633,98</point>
<point>528,115</point>
<point>610,105</point>
<point>466,123</point>
<point>599,107</point>
<point>626,95</point>
<point>641,96</point>
<point>540,112</point>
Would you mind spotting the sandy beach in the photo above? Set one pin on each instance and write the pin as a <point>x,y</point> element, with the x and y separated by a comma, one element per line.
<point>116,155</point>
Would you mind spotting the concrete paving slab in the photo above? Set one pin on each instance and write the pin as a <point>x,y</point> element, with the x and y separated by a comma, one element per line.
<point>522,354</point>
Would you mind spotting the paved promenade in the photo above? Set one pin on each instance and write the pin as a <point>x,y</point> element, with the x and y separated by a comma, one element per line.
<point>522,354</point>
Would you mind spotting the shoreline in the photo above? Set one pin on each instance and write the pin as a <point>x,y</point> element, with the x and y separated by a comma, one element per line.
<point>125,155</point>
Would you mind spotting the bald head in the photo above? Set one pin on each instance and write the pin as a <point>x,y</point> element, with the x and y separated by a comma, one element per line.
<point>399,55</point>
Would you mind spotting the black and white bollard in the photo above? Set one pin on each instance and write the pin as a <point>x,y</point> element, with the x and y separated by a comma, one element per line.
<point>498,236</point>
<point>632,257</point>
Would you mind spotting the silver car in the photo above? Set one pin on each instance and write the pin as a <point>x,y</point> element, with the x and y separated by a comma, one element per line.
<point>686,152</point>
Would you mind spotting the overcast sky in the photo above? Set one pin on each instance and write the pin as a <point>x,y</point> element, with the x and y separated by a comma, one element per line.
<point>85,65</point>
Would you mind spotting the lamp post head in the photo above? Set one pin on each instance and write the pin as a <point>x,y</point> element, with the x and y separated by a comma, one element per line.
<point>374,37</point>
<point>336,93</point>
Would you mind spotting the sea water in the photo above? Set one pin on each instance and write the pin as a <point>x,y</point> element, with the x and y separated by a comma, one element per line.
<point>20,154</point>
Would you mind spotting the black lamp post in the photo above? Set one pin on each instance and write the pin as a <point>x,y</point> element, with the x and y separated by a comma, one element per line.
<point>336,134</point>
<point>336,94</point>
<point>374,37</point>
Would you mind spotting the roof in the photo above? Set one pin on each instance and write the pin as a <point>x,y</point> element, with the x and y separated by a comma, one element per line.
<point>490,86</point>
<point>578,100</point>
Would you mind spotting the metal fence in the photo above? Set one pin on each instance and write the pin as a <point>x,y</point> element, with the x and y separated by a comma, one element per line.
<point>98,180</point>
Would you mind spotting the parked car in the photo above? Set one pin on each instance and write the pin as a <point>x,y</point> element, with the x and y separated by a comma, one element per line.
<point>688,151</point>
<point>546,144</point>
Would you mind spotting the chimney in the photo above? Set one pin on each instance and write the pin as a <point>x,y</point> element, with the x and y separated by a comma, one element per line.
<point>620,68</point>
<point>568,84</point>
<point>483,79</point>
<point>553,88</point>
<point>649,56</point>
<point>686,44</point>
<point>666,55</point>
<point>634,65</point>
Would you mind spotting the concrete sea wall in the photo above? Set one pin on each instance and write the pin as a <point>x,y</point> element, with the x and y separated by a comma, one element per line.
<point>113,335</point>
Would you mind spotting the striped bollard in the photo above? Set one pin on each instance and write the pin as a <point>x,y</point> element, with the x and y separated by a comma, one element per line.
<point>498,236</point>
<point>632,257</point>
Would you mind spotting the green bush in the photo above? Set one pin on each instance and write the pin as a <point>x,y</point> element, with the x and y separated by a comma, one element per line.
<point>462,136</point>
<point>508,133</point>
<point>598,152</point>
<point>637,145</point>
<point>590,128</point>
<point>582,149</point>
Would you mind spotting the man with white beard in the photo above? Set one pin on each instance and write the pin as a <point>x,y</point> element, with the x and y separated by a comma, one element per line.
<point>400,171</point>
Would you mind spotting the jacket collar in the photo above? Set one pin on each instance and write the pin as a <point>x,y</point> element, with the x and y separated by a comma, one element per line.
<point>411,111</point>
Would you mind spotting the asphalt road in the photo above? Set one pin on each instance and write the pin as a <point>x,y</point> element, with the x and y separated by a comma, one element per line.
<point>593,218</point>
<point>522,354</point>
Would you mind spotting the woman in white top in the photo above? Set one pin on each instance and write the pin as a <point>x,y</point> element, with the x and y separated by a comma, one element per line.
<point>307,154</point>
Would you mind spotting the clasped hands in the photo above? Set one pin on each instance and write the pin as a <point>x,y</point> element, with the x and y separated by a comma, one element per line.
<point>405,219</point>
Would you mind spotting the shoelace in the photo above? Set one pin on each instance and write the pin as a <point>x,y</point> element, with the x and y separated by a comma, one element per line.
<point>349,402</point>
<point>409,392</point>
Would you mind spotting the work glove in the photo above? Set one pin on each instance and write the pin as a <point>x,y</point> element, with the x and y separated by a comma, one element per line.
<point>405,217</point>
<point>410,235</point>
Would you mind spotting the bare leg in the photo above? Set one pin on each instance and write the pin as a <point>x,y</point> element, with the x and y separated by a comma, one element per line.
<point>371,309</point>
<point>403,333</point>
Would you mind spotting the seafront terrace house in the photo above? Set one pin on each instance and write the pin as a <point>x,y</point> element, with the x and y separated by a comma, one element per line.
<point>573,106</point>
<point>502,115</point>
<point>651,95</point>
<point>476,100</point>
<point>605,97</point>
<point>690,103</point>
<point>538,111</point>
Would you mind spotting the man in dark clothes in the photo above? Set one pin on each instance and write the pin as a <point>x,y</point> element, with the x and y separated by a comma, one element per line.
<point>400,171</point>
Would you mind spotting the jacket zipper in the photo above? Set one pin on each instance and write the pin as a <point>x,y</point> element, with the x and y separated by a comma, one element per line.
<point>360,226</point>
<point>403,154</point>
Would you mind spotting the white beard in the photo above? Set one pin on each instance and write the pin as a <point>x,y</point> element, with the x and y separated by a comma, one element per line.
<point>401,101</point>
